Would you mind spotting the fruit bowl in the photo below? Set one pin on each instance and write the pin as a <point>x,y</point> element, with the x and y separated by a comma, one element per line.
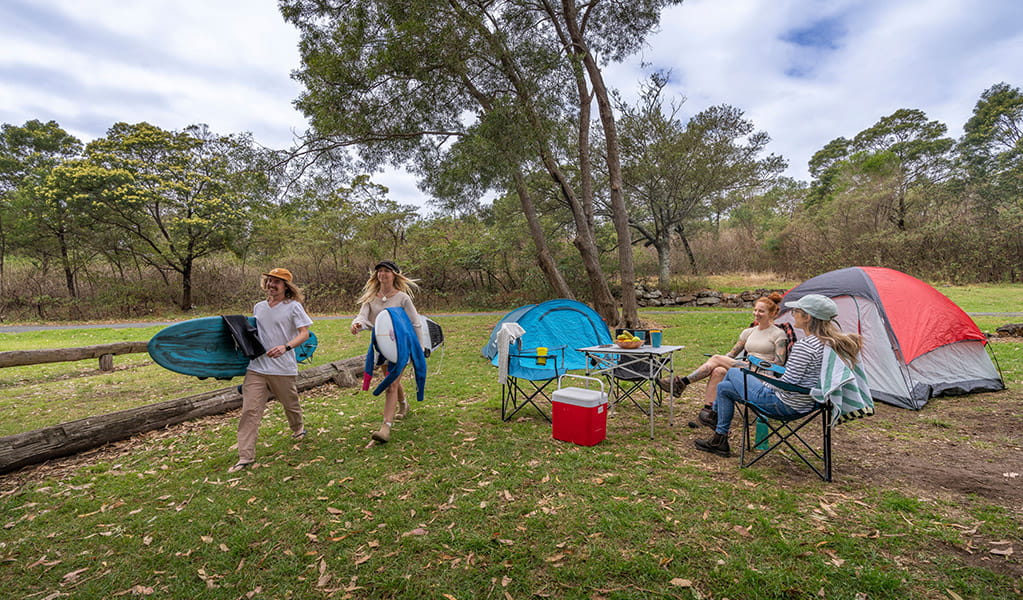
<point>629,345</point>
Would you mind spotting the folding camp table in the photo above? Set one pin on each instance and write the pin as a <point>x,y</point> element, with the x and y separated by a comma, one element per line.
<point>605,358</point>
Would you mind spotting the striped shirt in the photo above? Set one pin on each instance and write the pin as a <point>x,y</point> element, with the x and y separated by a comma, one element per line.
<point>803,368</point>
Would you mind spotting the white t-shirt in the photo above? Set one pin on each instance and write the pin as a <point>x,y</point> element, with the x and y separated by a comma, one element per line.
<point>277,325</point>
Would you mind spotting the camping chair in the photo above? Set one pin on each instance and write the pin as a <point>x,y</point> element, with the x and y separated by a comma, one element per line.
<point>529,375</point>
<point>785,432</point>
<point>632,376</point>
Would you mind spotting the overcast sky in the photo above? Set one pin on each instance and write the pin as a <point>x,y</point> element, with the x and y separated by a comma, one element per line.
<point>804,71</point>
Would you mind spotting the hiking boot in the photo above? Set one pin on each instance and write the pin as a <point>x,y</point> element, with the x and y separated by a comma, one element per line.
<point>717,444</point>
<point>402,409</point>
<point>708,417</point>
<point>383,435</point>
<point>679,386</point>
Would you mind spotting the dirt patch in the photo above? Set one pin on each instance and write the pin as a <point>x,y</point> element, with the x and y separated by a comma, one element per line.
<point>967,445</point>
<point>956,447</point>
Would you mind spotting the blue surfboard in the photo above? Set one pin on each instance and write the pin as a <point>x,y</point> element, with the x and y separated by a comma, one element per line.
<point>204,348</point>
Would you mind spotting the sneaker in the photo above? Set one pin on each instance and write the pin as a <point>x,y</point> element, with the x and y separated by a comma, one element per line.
<point>717,444</point>
<point>676,389</point>
<point>708,417</point>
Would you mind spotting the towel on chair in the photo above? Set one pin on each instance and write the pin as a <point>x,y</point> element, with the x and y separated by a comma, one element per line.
<point>508,333</point>
<point>846,387</point>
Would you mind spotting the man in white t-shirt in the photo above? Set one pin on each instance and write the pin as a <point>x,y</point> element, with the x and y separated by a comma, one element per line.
<point>283,325</point>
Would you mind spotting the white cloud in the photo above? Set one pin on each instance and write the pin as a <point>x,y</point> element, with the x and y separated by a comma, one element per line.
<point>933,55</point>
<point>90,63</point>
<point>805,71</point>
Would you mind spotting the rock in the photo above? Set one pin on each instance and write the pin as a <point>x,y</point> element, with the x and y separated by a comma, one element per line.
<point>1010,330</point>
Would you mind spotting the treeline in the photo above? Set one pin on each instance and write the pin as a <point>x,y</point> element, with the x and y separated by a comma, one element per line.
<point>145,219</point>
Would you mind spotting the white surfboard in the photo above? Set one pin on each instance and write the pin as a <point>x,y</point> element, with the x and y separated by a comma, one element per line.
<point>434,334</point>
<point>386,339</point>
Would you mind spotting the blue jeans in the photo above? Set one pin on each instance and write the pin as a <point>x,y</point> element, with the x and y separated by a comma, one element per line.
<point>758,394</point>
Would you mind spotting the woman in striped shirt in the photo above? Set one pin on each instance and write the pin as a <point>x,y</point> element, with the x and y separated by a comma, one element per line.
<point>814,314</point>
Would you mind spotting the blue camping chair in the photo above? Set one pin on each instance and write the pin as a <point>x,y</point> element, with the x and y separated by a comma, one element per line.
<point>529,375</point>
<point>562,326</point>
<point>774,432</point>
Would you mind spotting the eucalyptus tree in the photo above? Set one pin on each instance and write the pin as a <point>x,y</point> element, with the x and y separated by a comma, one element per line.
<point>27,153</point>
<point>991,149</point>
<point>905,148</point>
<point>407,81</point>
<point>991,153</point>
<point>56,214</point>
<point>677,173</point>
<point>188,194</point>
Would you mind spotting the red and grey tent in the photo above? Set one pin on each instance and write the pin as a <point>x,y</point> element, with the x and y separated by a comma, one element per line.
<point>918,344</point>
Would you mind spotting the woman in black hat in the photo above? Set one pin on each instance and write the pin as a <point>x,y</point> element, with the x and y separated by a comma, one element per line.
<point>386,288</point>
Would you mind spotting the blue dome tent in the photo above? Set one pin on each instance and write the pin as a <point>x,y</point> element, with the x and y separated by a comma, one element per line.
<point>524,370</point>
<point>558,322</point>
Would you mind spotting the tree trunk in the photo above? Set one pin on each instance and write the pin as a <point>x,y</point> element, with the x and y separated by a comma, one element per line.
<point>186,286</point>
<point>543,253</point>
<point>619,213</point>
<point>65,262</point>
<point>663,264</point>
<point>3,259</point>
<point>689,252</point>
<point>33,447</point>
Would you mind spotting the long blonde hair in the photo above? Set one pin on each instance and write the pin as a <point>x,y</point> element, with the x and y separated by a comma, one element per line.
<point>372,286</point>
<point>846,345</point>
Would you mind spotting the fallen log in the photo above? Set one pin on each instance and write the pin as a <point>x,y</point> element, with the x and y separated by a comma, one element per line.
<point>20,358</point>
<point>37,446</point>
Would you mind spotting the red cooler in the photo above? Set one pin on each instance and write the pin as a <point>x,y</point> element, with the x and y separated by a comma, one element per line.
<point>579,415</point>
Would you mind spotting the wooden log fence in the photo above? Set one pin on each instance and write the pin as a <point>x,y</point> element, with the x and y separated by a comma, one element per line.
<point>104,352</point>
<point>69,438</point>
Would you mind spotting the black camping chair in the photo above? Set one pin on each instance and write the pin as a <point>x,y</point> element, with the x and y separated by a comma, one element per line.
<point>789,432</point>
<point>632,376</point>
<point>529,376</point>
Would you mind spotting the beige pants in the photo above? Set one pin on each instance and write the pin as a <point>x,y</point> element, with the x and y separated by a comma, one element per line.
<point>256,391</point>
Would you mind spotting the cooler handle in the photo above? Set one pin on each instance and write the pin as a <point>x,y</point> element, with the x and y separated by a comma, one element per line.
<point>600,382</point>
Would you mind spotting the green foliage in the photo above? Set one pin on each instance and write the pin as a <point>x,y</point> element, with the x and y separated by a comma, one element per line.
<point>187,198</point>
<point>678,174</point>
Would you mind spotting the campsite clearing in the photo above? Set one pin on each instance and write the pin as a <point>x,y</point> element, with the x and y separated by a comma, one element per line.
<point>461,504</point>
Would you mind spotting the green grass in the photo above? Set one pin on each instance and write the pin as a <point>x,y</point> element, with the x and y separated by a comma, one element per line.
<point>460,504</point>
<point>987,298</point>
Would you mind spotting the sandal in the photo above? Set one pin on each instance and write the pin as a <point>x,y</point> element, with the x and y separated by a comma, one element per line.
<point>299,435</point>
<point>240,466</point>
<point>383,435</point>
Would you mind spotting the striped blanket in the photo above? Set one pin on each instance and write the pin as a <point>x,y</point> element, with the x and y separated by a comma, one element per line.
<point>846,387</point>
